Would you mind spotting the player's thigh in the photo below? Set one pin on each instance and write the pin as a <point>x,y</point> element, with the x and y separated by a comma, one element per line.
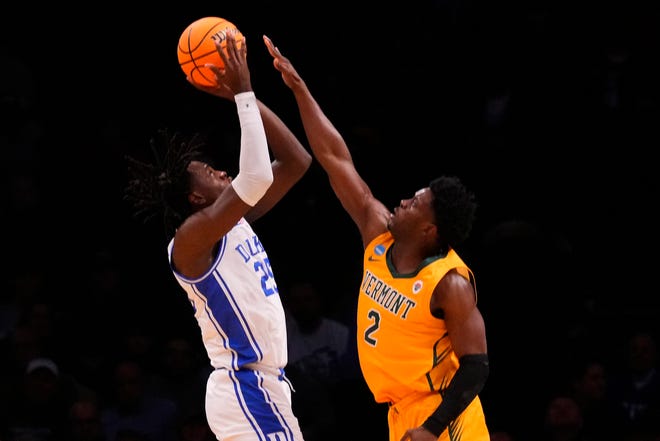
<point>250,405</point>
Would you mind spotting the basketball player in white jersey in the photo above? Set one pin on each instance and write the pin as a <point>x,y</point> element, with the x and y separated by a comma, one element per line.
<point>222,265</point>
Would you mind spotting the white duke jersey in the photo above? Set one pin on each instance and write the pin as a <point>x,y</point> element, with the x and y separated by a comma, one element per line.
<point>237,304</point>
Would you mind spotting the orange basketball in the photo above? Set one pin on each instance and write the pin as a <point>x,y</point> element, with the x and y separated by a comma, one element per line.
<point>197,47</point>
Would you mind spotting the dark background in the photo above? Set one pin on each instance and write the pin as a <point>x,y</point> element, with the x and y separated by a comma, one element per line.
<point>547,110</point>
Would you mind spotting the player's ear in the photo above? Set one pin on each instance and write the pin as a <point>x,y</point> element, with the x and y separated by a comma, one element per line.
<point>196,198</point>
<point>430,230</point>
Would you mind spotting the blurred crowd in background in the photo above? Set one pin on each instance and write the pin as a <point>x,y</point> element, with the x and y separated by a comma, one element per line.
<point>549,111</point>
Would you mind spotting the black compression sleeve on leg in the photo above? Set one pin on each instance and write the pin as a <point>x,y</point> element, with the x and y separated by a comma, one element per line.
<point>468,381</point>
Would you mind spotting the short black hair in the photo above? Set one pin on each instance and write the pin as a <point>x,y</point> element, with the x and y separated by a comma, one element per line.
<point>455,210</point>
<point>161,188</point>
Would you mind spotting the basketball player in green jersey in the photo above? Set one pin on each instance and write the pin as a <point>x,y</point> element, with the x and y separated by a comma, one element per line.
<point>421,338</point>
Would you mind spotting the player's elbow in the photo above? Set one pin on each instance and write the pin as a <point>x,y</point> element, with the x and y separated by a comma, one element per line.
<point>251,187</point>
<point>303,164</point>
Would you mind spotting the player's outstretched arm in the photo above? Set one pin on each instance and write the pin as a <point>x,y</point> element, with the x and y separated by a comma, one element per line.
<point>331,151</point>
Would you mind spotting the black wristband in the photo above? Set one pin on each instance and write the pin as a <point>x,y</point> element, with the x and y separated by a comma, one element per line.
<point>467,382</point>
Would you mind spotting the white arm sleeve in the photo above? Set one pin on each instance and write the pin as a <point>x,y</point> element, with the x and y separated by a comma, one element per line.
<point>254,169</point>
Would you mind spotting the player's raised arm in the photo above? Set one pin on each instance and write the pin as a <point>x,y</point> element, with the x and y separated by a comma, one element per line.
<point>331,151</point>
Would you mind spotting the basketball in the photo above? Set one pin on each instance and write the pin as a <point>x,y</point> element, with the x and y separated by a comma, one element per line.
<point>197,47</point>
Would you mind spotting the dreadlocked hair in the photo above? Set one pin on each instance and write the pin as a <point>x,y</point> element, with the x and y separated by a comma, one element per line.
<point>455,209</point>
<point>161,188</point>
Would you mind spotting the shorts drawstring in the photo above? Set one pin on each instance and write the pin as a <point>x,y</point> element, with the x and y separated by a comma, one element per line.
<point>282,377</point>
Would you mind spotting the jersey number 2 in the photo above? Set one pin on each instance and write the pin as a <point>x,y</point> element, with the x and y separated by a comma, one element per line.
<point>368,333</point>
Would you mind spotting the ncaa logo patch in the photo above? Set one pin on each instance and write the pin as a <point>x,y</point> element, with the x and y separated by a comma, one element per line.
<point>379,250</point>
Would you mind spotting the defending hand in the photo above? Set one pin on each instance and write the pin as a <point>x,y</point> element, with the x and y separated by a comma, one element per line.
<point>283,65</point>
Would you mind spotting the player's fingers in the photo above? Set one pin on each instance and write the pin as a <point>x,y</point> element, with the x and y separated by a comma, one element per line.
<point>272,49</point>
<point>241,51</point>
<point>268,43</point>
<point>215,69</point>
<point>220,50</point>
<point>230,40</point>
<point>233,51</point>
